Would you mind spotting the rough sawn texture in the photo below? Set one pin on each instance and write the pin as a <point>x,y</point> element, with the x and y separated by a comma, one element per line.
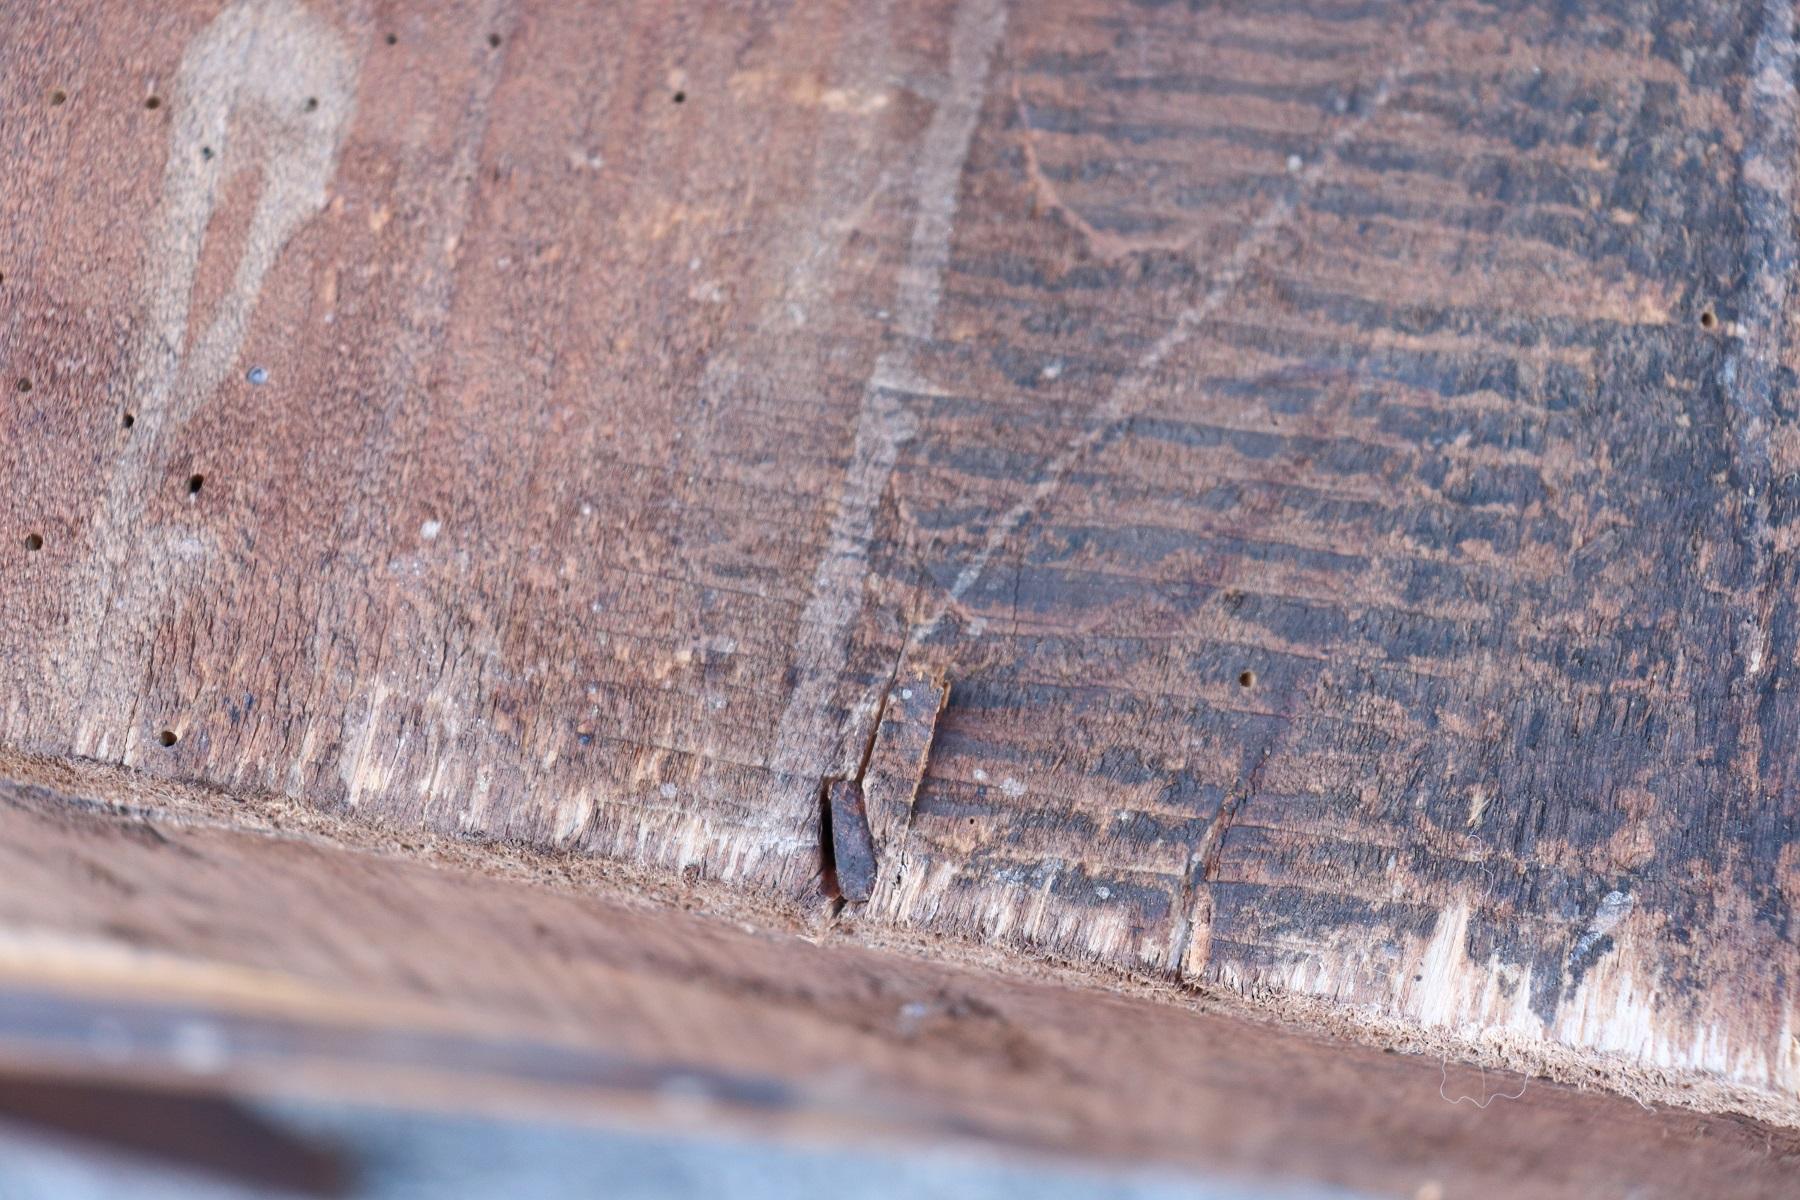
<point>1332,464</point>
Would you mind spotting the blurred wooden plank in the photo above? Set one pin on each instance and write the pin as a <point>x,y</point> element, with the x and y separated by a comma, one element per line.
<point>1339,456</point>
<point>260,963</point>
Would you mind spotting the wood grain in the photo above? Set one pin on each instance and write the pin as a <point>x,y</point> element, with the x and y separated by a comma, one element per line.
<point>1337,459</point>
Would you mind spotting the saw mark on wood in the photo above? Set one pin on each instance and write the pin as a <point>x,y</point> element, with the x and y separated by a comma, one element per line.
<point>1127,395</point>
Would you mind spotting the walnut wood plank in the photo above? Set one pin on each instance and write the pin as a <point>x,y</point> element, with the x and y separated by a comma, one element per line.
<point>1338,459</point>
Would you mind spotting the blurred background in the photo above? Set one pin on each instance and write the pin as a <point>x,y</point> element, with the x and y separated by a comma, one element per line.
<point>76,1142</point>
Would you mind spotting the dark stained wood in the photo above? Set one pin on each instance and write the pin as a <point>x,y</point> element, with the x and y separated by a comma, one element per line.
<point>1326,471</point>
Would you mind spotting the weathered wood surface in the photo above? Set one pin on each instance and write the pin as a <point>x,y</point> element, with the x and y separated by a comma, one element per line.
<point>284,961</point>
<point>1339,458</point>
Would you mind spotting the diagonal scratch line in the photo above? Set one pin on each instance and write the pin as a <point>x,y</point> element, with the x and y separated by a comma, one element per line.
<point>883,421</point>
<point>1125,401</point>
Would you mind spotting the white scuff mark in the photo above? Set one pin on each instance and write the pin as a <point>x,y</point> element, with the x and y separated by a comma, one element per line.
<point>574,809</point>
<point>853,102</point>
<point>1478,802</point>
<point>1618,1008</point>
<point>286,77</point>
<point>429,530</point>
<point>1613,908</point>
<point>583,159</point>
<point>806,737</point>
<point>354,771</point>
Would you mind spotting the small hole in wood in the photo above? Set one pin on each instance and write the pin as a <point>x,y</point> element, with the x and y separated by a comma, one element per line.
<point>1707,319</point>
<point>494,40</point>
<point>168,737</point>
<point>57,97</point>
<point>128,420</point>
<point>392,38</point>
<point>153,102</point>
<point>195,483</point>
<point>206,153</point>
<point>680,97</point>
<point>312,104</point>
<point>34,541</point>
<point>1247,679</point>
<point>24,385</point>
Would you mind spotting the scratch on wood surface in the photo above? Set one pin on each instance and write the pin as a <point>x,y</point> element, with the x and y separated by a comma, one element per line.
<point>1127,395</point>
<point>806,736</point>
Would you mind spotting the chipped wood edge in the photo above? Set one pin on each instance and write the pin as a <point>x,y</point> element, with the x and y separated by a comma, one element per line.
<point>122,791</point>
